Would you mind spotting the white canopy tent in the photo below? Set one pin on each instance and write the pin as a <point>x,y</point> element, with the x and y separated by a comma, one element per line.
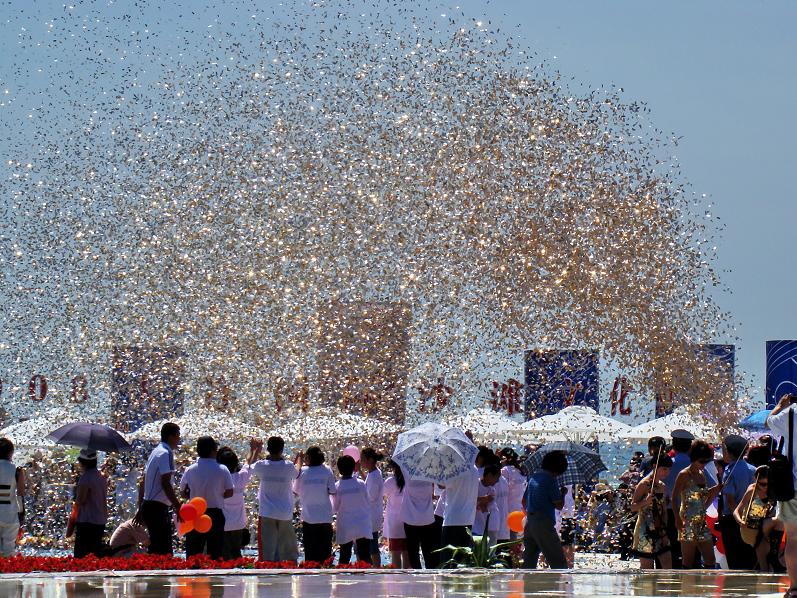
<point>680,418</point>
<point>577,423</point>
<point>483,422</point>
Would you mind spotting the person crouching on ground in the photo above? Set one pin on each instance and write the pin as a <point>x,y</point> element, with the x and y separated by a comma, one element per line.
<point>543,496</point>
<point>354,513</point>
<point>212,481</point>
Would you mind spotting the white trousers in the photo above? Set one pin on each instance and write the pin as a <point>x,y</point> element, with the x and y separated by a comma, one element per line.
<point>8,538</point>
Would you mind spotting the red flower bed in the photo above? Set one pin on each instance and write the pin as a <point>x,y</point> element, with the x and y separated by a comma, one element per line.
<point>148,562</point>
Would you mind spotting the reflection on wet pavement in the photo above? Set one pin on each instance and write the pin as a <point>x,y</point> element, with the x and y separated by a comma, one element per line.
<point>406,585</point>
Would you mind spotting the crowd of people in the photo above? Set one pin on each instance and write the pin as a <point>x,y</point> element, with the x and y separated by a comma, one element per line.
<point>659,512</point>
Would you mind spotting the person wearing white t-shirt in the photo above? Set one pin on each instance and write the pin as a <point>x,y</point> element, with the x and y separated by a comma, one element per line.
<point>156,492</point>
<point>500,509</point>
<point>459,511</point>
<point>353,512</point>
<point>417,511</point>
<point>315,486</point>
<point>394,525</point>
<point>485,521</point>
<point>12,492</point>
<point>277,538</point>
<point>208,479</point>
<point>778,422</point>
<point>236,523</point>
<point>374,483</point>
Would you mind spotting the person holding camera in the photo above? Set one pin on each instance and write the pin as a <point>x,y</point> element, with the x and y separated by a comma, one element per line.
<point>782,473</point>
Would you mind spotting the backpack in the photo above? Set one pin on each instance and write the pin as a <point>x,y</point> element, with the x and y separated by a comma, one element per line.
<point>781,477</point>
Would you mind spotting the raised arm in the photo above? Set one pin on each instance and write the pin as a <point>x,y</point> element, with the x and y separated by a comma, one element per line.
<point>642,496</point>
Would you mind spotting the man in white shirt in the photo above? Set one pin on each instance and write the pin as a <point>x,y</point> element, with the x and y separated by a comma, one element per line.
<point>374,485</point>
<point>314,487</point>
<point>459,512</point>
<point>156,492</point>
<point>275,497</point>
<point>778,422</point>
<point>212,481</point>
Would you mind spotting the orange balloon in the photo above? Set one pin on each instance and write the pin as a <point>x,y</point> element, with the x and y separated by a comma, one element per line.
<point>515,521</point>
<point>184,527</point>
<point>200,504</point>
<point>203,524</point>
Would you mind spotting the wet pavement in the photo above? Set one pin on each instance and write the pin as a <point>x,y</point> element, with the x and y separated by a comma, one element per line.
<point>514,584</point>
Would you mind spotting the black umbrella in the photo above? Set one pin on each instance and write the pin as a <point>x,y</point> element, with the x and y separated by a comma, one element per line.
<point>98,437</point>
<point>583,464</point>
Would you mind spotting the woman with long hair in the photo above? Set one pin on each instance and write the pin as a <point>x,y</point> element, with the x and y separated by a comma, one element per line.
<point>394,525</point>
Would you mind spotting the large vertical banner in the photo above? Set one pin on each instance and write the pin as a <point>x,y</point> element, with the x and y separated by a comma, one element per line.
<point>363,358</point>
<point>720,363</point>
<point>147,384</point>
<point>781,370</point>
<point>556,379</point>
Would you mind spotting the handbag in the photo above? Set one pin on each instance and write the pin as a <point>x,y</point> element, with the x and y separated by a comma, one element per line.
<point>781,478</point>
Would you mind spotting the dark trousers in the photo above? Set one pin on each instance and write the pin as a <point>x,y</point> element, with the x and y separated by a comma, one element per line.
<point>212,541</point>
<point>424,538</point>
<point>739,554</point>
<point>540,536</point>
<point>232,544</point>
<point>317,540</point>
<point>457,536</point>
<point>159,526</point>
<point>88,539</point>
<point>363,551</point>
<point>675,545</point>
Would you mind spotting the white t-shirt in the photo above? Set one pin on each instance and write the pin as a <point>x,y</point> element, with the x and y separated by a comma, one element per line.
<point>209,479</point>
<point>275,495</point>
<point>517,486</point>
<point>499,510</point>
<point>461,493</point>
<point>234,507</point>
<point>417,507</point>
<point>160,462</point>
<point>313,487</point>
<point>440,505</point>
<point>779,424</point>
<point>481,516</point>
<point>394,524</point>
<point>374,484</point>
<point>353,511</point>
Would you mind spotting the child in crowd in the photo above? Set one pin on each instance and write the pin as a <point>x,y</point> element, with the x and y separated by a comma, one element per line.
<point>353,510</point>
<point>374,484</point>
<point>394,524</point>
<point>314,487</point>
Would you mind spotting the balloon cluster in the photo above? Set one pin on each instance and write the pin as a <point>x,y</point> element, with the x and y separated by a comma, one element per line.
<point>193,517</point>
<point>409,194</point>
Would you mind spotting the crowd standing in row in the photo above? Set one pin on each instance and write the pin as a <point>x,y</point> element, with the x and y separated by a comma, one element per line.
<point>658,513</point>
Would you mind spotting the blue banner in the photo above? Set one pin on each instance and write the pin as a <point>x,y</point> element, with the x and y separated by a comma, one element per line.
<point>556,379</point>
<point>147,385</point>
<point>721,357</point>
<point>781,370</point>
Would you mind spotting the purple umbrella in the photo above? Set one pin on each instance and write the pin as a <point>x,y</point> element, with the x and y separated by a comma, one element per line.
<point>98,437</point>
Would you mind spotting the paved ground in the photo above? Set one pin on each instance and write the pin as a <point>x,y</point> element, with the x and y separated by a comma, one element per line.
<point>460,584</point>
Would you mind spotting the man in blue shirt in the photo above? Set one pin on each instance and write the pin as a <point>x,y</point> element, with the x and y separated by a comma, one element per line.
<point>543,496</point>
<point>739,474</point>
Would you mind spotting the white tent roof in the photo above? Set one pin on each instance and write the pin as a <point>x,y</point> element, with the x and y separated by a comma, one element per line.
<point>678,419</point>
<point>574,423</point>
<point>483,422</point>
<point>323,426</point>
<point>201,423</point>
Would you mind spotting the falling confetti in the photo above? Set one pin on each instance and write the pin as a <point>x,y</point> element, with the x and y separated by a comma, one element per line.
<point>334,204</point>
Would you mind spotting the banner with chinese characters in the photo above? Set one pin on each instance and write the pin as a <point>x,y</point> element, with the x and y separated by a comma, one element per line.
<point>147,385</point>
<point>556,379</point>
<point>781,370</point>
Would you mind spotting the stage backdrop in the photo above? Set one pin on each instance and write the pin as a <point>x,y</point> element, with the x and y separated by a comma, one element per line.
<point>556,379</point>
<point>781,370</point>
<point>147,385</point>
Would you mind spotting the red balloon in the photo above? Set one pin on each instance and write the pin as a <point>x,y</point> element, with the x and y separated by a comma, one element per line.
<point>188,512</point>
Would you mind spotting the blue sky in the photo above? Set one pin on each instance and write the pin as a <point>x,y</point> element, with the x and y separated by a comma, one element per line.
<point>718,74</point>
